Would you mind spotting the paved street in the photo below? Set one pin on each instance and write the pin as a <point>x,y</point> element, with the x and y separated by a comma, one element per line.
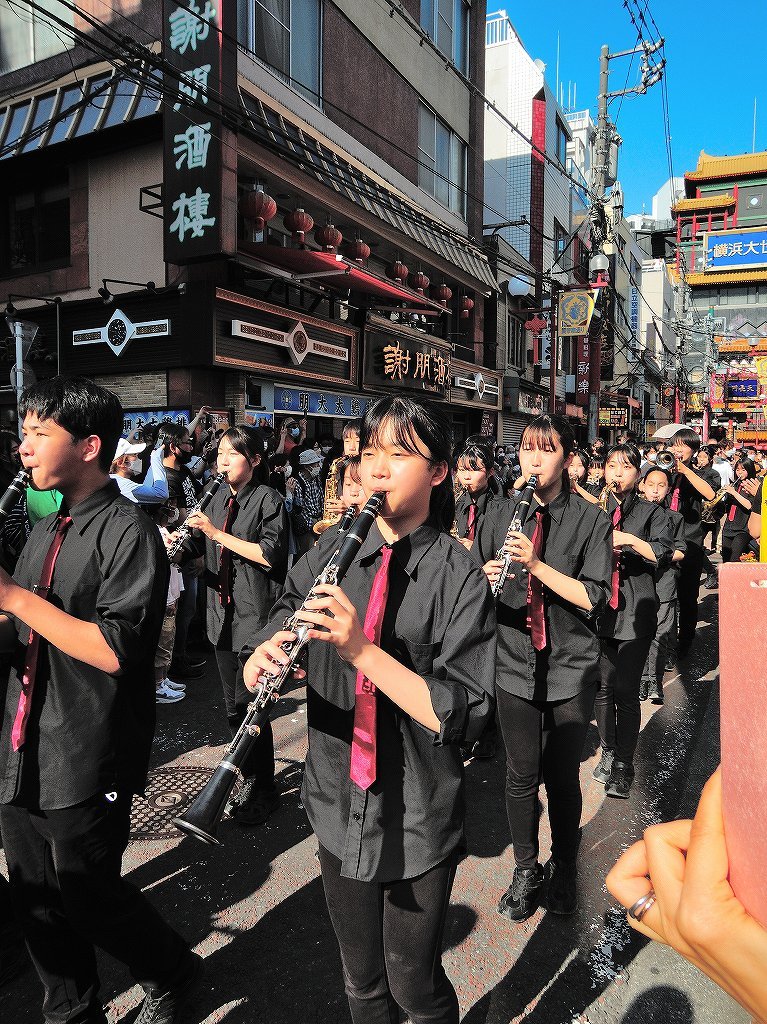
<point>254,908</point>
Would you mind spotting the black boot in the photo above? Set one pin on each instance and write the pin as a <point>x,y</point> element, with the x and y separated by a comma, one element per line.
<point>562,895</point>
<point>620,781</point>
<point>523,897</point>
<point>656,693</point>
<point>602,771</point>
<point>643,687</point>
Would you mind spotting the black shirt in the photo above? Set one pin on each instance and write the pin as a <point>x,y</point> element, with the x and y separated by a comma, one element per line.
<point>577,543</point>
<point>637,611</point>
<point>667,575</point>
<point>260,517</point>
<point>739,522</point>
<point>690,506</point>
<point>483,501</point>
<point>90,732</point>
<point>439,622</point>
<point>183,487</point>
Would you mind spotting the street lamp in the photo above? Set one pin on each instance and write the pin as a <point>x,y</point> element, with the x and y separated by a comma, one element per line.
<point>56,301</point>
<point>108,297</point>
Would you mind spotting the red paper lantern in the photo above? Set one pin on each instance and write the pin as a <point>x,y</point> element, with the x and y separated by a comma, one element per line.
<point>467,304</point>
<point>328,237</point>
<point>258,207</point>
<point>442,293</point>
<point>357,250</point>
<point>298,222</point>
<point>420,282</point>
<point>397,271</point>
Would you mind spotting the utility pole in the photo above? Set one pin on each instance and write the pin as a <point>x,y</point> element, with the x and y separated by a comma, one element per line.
<point>604,174</point>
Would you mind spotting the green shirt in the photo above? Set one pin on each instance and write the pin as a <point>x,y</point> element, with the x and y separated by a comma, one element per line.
<point>41,503</point>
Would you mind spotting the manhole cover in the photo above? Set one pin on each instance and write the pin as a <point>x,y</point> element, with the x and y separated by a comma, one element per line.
<point>168,792</point>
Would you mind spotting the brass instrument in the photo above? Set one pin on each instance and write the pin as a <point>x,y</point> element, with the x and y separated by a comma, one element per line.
<point>331,495</point>
<point>604,497</point>
<point>458,493</point>
<point>710,505</point>
<point>665,460</point>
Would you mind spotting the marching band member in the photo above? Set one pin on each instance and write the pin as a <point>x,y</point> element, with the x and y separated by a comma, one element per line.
<point>246,550</point>
<point>389,705</point>
<point>548,660</point>
<point>642,542</point>
<point>474,468</point>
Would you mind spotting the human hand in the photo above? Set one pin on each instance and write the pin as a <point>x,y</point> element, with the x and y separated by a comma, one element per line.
<point>492,570</point>
<point>267,659</point>
<point>9,590</point>
<point>751,487</point>
<point>623,540</point>
<point>466,542</point>
<point>521,550</point>
<point>333,619</point>
<point>290,484</point>
<point>199,521</point>
<point>696,911</point>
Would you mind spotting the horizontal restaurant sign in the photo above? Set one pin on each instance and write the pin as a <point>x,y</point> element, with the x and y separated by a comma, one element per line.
<point>120,331</point>
<point>400,359</point>
<point>305,402</point>
<point>296,341</point>
<point>736,250</point>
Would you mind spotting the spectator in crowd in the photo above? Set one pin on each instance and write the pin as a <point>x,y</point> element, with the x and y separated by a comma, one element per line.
<point>308,500</point>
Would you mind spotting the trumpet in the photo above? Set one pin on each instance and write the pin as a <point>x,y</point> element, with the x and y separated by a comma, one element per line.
<point>665,460</point>
<point>207,809</point>
<point>14,492</point>
<point>183,531</point>
<point>515,526</point>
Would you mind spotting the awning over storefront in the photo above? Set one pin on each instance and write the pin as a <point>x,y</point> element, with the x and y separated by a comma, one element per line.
<point>344,177</point>
<point>97,101</point>
<point>335,271</point>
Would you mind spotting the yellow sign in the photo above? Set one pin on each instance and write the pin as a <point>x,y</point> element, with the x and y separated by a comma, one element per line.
<point>761,372</point>
<point>575,309</point>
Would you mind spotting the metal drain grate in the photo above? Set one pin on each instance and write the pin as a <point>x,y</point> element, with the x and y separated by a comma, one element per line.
<point>168,792</point>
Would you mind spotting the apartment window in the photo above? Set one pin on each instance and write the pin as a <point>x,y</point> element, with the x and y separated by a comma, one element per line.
<point>285,35</point>
<point>28,36</point>
<point>37,235</point>
<point>561,143</point>
<point>442,161</point>
<point>517,352</point>
<point>560,240</point>
<point>447,22</point>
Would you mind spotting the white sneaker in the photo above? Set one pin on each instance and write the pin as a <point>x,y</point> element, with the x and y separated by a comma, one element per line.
<point>163,695</point>
<point>170,684</point>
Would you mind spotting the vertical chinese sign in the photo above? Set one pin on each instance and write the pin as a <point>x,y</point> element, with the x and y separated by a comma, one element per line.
<point>199,150</point>
<point>583,368</point>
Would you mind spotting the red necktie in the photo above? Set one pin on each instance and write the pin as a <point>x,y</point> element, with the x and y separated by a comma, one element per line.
<point>33,646</point>
<point>472,521</point>
<point>536,619</point>
<point>225,563</point>
<point>674,506</point>
<point>616,577</point>
<point>362,770</point>
<point>733,507</point>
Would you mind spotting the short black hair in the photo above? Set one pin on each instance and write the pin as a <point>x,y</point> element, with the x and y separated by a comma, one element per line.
<point>628,451</point>
<point>542,429</point>
<point>79,406</point>
<point>249,442</point>
<point>659,469</point>
<point>171,433</point>
<point>686,436</point>
<point>351,427</point>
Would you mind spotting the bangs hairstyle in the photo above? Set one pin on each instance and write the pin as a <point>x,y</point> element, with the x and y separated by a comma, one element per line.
<point>475,457</point>
<point>251,444</point>
<point>750,467</point>
<point>402,419</point>
<point>686,436</point>
<point>351,427</point>
<point>348,465</point>
<point>80,407</point>
<point>544,431</point>
<point>659,469</point>
<point>628,452</point>
<point>584,457</point>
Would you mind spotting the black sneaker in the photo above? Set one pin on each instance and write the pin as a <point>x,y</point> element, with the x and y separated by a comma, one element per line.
<point>484,749</point>
<point>621,778</point>
<point>656,693</point>
<point>258,808</point>
<point>711,581</point>
<point>643,687</point>
<point>523,897</point>
<point>182,668</point>
<point>602,771</point>
<point>670,663</point>
<point>167,1006</point>
<point>562,894</point>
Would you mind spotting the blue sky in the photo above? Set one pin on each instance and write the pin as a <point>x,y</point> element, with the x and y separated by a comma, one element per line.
<point>715,60</point>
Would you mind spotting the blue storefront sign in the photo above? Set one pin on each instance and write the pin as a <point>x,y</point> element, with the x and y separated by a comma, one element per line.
<point>133,419</point>
<point>743,388</point>
<point>736,250</point>
<point>305,402</point>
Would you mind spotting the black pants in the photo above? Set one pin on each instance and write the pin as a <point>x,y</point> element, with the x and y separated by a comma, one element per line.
<point>687,588</point>
<point>734,545</point>
<point>390,936</point>
<point>69,896</point>
<point>617,708</point>
<point>259,763</point>
<point>544,740</point>
<point>713,529</point>
<point>663,644</point>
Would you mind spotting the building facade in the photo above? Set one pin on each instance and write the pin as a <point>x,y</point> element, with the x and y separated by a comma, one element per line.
<point>290,202</point>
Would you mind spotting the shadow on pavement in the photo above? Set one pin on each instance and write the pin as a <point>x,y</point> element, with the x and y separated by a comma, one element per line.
<point>662,1004</point>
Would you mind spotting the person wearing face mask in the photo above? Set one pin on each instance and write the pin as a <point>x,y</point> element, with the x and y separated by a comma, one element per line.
<point>292,433</point>
<point>154,489</point>
<point>308,500</point>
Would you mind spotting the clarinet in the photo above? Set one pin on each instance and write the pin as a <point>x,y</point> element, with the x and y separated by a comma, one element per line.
<point>515,526</point>
<point>207,809</point>
<point>14,492</point>
<point>205,498</point>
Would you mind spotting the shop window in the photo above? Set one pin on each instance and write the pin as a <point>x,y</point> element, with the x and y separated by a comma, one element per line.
<point>442,161</point>
<point>517,352</point>
<point>286,36</point>
<point>447,23</point>
<point>37,228</point>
